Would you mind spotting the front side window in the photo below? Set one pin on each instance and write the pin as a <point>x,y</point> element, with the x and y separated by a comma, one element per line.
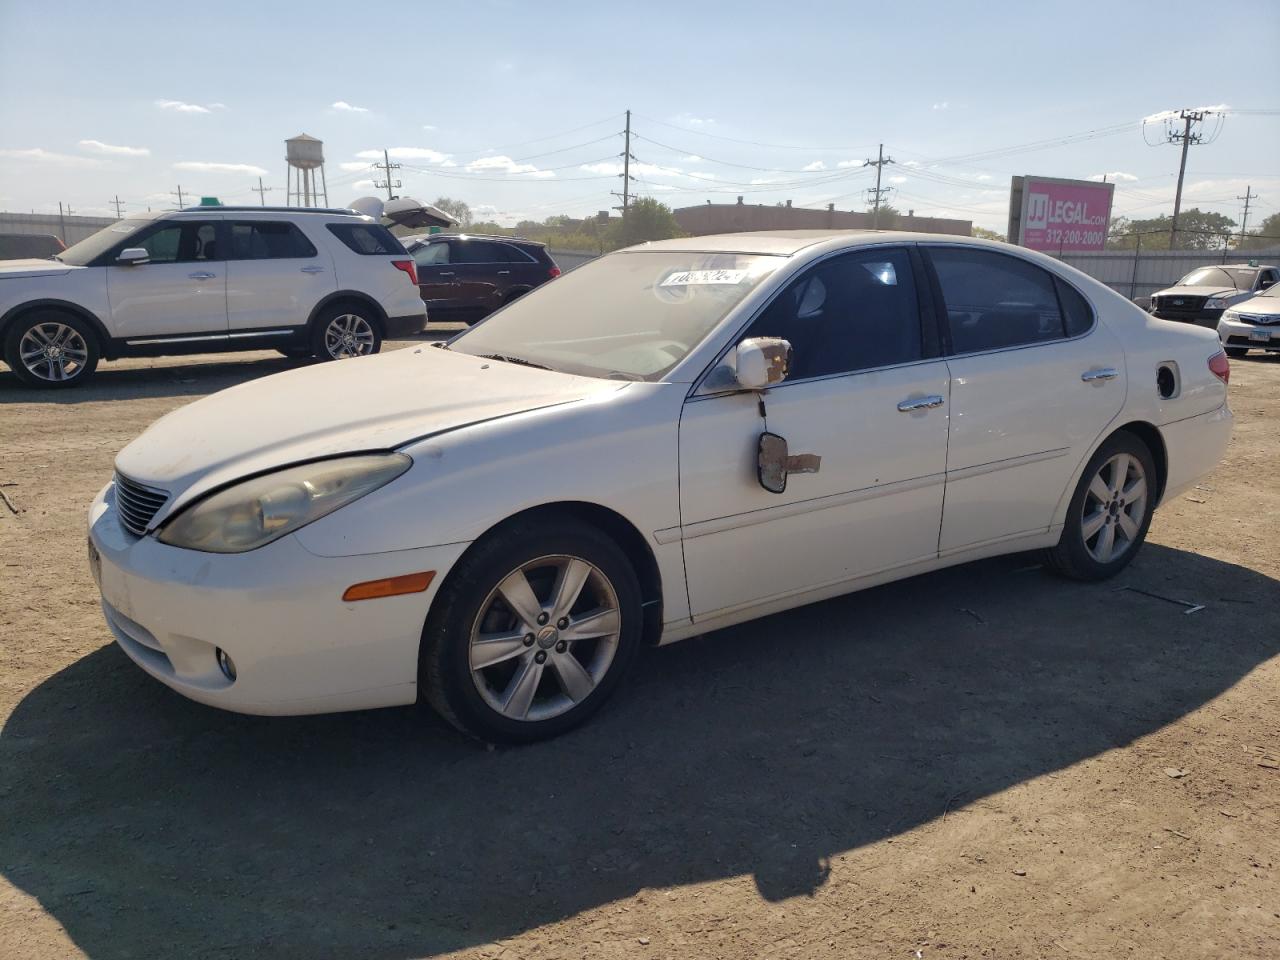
<point>261,240</point>
<point>995,301</point>
<point>629,316</point>
<point>477,251</point>
<point>88,250</point>
<point>848,313</point>
<point>187,241</point>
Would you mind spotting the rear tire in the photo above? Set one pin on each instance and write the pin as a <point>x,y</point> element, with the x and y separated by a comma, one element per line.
<point>478,649</point>
<point>346,330</point>
<point>1110,511</point>
<point>51,350</point>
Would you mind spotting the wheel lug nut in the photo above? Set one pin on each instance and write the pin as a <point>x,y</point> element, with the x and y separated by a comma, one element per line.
<point>542,618</point>
<point>563,623</point>
<point>540,656</point>
<point>561,647</point>
<point>528,639</point>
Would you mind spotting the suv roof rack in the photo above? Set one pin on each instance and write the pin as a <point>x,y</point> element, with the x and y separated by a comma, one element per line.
<point>248,208</point>
<point>484,236</point>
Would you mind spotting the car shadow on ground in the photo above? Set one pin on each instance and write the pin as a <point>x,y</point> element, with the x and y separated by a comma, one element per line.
<point>149,825</point>
<point>172,377</point>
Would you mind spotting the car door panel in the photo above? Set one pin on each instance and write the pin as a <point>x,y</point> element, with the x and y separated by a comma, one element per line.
<point>181,292</point>
<point>276,276</point>
<point>874,504</point>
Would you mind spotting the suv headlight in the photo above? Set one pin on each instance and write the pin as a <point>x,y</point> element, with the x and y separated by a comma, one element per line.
<point>254,512</point>
<point>1215,303</point>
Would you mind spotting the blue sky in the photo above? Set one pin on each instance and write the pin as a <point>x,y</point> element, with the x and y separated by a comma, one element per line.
<point>514,106</point>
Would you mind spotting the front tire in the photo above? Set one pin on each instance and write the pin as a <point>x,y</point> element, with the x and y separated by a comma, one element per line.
<point>51,350</point>
<point>532,632</point>
<point>1110,512</point>
<point>346,330</point>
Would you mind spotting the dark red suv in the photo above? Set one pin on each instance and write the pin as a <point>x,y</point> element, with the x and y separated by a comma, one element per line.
<point>468,276</point>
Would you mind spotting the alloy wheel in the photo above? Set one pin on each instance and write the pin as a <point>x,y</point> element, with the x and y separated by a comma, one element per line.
<point>545,637</point>
<point>349,335</point>
<point>54,352</point>
<point>1114,508</point>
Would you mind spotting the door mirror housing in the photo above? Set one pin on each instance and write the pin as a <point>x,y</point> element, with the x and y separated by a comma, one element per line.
<point>133,257</point>
<point>761,362</point>
<point>771,462</point>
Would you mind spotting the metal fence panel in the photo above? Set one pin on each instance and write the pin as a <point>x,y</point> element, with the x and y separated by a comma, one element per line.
<point>1137,274</point>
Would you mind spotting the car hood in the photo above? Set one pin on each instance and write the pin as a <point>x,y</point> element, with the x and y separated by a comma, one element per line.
<point>1199,292</point>
<point>1262,306</point>
<point>34,268</point>
<point>329,409</point>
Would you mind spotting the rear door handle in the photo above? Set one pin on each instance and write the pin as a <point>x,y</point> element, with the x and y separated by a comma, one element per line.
<point>313,269</point>
<point>1099,373</point>
<point>202,276</point>
<point>444,273</point>
<point>921,403</point>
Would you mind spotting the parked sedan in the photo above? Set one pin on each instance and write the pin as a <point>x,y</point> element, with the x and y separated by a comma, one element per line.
<point>1252,324</point>
<point>1204,293</point>
<point>755,422</point>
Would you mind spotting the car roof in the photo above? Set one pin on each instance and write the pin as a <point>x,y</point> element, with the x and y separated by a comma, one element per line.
<point>787,242</point>
<point>437,237</point>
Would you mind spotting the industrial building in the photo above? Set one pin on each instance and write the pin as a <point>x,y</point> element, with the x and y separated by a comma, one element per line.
<point>746,217</point>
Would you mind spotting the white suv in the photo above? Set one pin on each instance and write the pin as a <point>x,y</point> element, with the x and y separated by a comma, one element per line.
<point>329,283</point>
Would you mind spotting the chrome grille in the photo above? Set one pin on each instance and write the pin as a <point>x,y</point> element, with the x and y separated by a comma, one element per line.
<point>1259,319</point>
<point>137,503</point>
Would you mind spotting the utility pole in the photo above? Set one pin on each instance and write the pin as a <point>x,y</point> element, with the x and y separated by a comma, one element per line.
<point>1244,221</point>
<point>262,192</point>
<point>626,169</point>
<point>177,193</point>
<point>117,203</point>
<point>1186,138</point>
<point>386,167</point>
<point>62,223</point>
<point>878,192</point>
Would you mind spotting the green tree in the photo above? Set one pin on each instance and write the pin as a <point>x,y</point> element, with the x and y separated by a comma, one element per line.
<point>646,219</point>
<point>1197,230</point>
<point>1266,234</point>
<point>457,209</point>
<point>985,234</point>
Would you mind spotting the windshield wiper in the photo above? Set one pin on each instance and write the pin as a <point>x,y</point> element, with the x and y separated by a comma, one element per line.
<point>518,360</point>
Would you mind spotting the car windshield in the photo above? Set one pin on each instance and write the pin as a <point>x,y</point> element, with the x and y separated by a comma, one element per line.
<point>1271,291</point>
<point>1241,279</point>
<point>632,316</point>
<point>90,248</point>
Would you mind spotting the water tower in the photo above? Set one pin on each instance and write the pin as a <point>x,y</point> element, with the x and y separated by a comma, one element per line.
<point>305,155</point>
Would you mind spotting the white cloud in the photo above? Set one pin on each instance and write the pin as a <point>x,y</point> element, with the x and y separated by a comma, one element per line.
<point>761,181</point>
<point>898,179</point>
<point>850,163</point>
<point>687,119</point>
<point>208,166</point>
<point>641,169</point>
<point>985,176</point>
<point>363,185</point>
<point>406,153</point>
<point>693,158</point>
<point>179,106</point>
<point>504,164</point>
<point>1174,114</point>
<point>97,146</point>
<point>40,155</point>
<point>341,106</point>
<point>941,105</point>
<point>484,210</point>
<point>911,163</point>
<point>1114,176</point>
<point>351,166</point>
<point>816,165</point>
<point>428,126</point>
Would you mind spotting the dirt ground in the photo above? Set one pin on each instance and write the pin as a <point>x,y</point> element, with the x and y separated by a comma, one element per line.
<point>983,762</point>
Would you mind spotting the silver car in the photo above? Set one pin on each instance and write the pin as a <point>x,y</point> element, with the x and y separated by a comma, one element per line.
<point>1252,324</point>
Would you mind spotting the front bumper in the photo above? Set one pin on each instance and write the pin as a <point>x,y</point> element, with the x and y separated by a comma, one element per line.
<point>1201,317</point>
<point>1236,333</point>
<point>276,611</point>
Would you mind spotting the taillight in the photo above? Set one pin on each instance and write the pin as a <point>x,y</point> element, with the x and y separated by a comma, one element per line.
<point>1220,366</point>
<point>555,272</point>
<point>409,267</point>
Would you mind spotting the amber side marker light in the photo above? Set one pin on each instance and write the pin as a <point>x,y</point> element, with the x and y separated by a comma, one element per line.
<point>390,586</point>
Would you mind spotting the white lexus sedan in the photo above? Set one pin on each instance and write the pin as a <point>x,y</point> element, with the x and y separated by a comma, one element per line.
<point>673,438</point>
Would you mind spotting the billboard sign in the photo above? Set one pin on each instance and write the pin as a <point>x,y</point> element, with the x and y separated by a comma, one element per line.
<point>1059,216</point>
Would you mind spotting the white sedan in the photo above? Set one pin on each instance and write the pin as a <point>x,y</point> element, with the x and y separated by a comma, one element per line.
<point>674,438</point>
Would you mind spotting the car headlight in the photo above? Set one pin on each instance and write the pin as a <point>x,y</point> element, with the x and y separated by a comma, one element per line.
<point>254,512</point>
<point>1231,315</point>
<point>1215,303</point>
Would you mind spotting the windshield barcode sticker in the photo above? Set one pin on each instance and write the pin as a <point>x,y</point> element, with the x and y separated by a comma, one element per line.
<point>689,278</point>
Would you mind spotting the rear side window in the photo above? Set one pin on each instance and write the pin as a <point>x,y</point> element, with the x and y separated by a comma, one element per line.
<point>431,254</point>
<point>259,240</point>
<point>513,254</point>
<point>367,239</point>
<point>1077,317</point>
<point>995,301</point>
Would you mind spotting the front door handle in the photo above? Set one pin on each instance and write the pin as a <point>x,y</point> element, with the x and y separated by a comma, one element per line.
<point>504,273</point>
<point>444,273</point>
<point>921,403</point>
<point>202,276</point>
<point>313,269</point>
<point>1099,373</point>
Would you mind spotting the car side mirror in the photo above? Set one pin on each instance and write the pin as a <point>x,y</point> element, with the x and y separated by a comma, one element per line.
<point>133,257</point>
<point>761,362</point>
<point>771,462</point>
